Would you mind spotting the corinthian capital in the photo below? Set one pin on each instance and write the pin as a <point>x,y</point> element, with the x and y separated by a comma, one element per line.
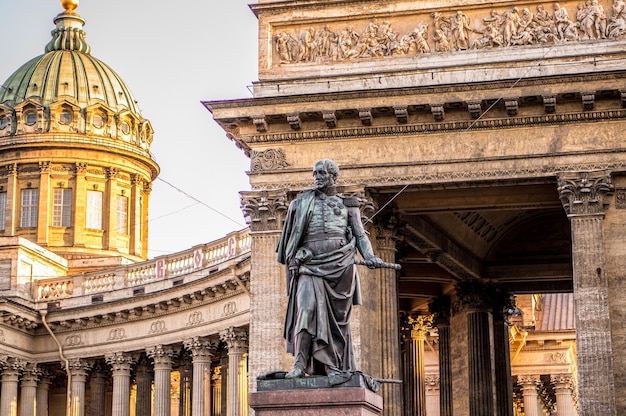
<point>582,193</point>
<point>264,210</point>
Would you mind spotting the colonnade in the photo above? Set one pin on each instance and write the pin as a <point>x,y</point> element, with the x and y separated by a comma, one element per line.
<point>134,383</point>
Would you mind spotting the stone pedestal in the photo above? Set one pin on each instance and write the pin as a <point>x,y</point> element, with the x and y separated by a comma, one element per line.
<point>314,396</point>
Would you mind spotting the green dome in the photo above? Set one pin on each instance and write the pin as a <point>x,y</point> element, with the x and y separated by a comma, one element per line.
<point>68,91</point>
<point>67,71</point>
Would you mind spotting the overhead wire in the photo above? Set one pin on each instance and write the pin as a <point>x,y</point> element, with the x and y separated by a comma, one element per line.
<point>473,123</point>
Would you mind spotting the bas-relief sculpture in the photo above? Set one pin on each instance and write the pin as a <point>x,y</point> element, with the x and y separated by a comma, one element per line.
<point>318,245</point>
<point>454,32</point>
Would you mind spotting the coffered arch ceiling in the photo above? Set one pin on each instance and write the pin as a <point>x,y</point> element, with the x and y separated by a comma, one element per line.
<point>513,234</point>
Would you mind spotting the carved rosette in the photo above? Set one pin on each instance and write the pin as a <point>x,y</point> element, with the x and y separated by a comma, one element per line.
<point>269,159</point>
<point>583,193</point>
<point>432,383</point>
<point>264,210</point>
<point>120,362</point>
<point>236,339</point>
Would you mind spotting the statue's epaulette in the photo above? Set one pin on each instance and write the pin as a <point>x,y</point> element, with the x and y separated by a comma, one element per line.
<point>351,201</point>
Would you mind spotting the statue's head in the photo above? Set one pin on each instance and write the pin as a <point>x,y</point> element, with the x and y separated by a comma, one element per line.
<point>325,173</point>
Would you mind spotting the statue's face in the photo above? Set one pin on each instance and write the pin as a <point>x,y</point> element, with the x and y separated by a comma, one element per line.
<point>322,178</point>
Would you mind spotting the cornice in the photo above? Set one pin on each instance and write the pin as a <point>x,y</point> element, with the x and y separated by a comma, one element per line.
<point>444,126</point>
<point>473,87</point>
<point>212,288</point>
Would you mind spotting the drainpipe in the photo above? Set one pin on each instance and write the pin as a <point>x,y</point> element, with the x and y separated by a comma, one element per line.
<point>68,403</point>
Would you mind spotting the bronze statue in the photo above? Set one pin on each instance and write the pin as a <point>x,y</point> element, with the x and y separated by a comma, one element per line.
<point>321,235</point>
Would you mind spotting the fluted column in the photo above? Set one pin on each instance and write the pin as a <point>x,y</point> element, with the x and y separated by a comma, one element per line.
<point>236,340</point>
<point>417,327</point>
<point>11,370</point>
<point>387,280</point>
<point>79,370</point>
<point>475,300</point>
<point>162,358</point>
<point>503,303</point>
<point>97,388</point>
<point>264,212</point>
<point>583,195</point>
<point>564,389</point>
<point>43,387</point>
<point>440,307</point>
<point>201,353</point>
<point>143,377</point>
<point>121,364</point>
<point>529,384</point>
<point>432,394</point>
<point>28,390</point>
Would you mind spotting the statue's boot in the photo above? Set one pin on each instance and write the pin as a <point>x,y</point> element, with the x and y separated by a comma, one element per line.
<point>303,348</point>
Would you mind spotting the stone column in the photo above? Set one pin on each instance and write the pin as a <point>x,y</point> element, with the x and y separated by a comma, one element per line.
<point>28,390</point>
<point>201,353</point>
<point>417,327</point>
<point>79,370</point>
<point>264,212</point>
<point>474,307</point>
<point>42,394</point>
<point>143,377</point>
<point>564,389</point>
<point>121,364</point>
<point>440,307</point>
<point>387,280</point>
<point>185,371</point>
<point>504,303</point>
<point>529,384</point>
<point>236,340</point>
<point>432,394</point>
<point>162,358</point>
<point>582,195</point>
<point>97,388</point>
<point>11,370</point>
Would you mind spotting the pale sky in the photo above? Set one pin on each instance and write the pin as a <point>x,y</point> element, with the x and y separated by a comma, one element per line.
<point>172,55</point>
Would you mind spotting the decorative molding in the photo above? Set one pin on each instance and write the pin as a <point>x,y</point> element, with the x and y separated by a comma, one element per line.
<point>438,111</point>
<point>267,160</point>
<point>620,198</point>
<point>451,32</point>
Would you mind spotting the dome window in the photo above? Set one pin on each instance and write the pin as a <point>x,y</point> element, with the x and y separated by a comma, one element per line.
<point>125,127</point>
<point>4,122</point>
<point>66,116</point>
<point>97,121</point>
<point>30,118</point>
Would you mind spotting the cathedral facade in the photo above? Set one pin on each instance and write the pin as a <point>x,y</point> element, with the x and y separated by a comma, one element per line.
<point>482,140</point>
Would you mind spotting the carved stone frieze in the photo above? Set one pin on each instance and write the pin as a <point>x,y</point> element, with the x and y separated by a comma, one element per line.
<point>265,210</point>
<point>449,31</point>
<point>268,160</point>
<point>582,193</point>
